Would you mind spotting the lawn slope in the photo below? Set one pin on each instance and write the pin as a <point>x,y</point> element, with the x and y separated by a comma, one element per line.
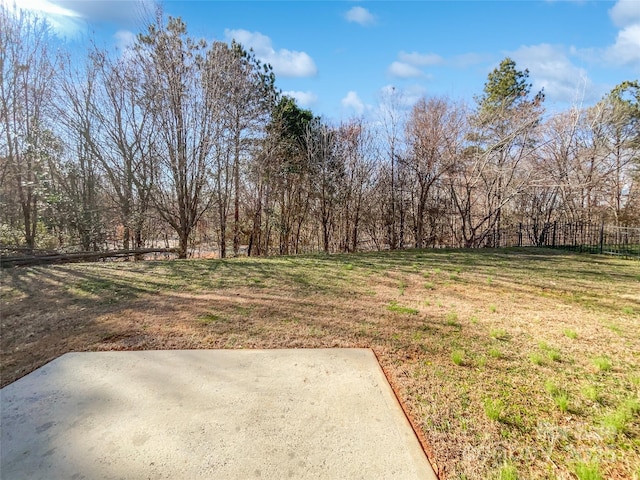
<point>514,362</point>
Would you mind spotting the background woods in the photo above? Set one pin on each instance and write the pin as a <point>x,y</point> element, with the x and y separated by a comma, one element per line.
<point>176,142</point>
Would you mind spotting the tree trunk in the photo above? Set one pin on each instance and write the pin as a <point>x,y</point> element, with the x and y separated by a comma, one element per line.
<point>420,225</point>
<point>29,230</point>
<point>236,199</point>
<point>223,239</point>
<point>184,244</point>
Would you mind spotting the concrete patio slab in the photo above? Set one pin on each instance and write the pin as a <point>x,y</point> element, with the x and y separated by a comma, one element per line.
<point>214,414</point>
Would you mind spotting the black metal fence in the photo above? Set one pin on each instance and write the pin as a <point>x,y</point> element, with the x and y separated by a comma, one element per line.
<point>579,236</point>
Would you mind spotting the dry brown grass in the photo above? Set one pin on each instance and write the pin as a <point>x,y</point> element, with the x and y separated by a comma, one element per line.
<point>497,310</point>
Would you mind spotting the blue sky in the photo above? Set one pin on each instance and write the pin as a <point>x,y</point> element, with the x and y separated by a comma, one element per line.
<point>339,57</point>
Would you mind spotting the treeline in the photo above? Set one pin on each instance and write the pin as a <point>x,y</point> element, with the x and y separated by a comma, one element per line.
<point>176,142</point>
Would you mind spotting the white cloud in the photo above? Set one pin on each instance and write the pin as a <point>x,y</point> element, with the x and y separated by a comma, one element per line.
<point>352,100</point>
<point>389,90</point>
<point>626,50</point>
<point>625,13</point>
<point>124,39</point>
<point>123,14</point>
<point>407,64</point>
<point>42,6</point>
<point>360,15</point>
<point>64,21</point>
<point>420,59</point>
<point>288,63</point>
<point>412,94</point>
<point>70,18</point>
<point>404,70</point>
<point>550,68</point>
<point>304,99</point>
<point>403,97</point>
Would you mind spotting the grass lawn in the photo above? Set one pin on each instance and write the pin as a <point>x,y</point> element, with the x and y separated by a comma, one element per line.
<point>519,363</point>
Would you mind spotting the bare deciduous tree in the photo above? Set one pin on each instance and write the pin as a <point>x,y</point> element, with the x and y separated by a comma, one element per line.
<point>182,107</point>
<point>123,142</point>
<point>433,128</point>
<point>355,147</point>
<point>27,85</point>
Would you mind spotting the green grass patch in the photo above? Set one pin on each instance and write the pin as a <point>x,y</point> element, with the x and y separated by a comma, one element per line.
<point>570,334</point>
<point>536,358</point>
<point>602,363</point>
<point>495,353</point>
<point>498,333</point>
<point>209,318</point>
<point>550,352</point>
<point>561,399</point>
<point>452,320</point>
<point>396,308</point>
<point>587,470</point>
<point>493,409</point>
<point>616,422</point>
<point>551,388</point>
<point>508,472</point>
<point>553,355</point>
<point>614,328</point>
<point>590,392</point>
<point>457,357</point>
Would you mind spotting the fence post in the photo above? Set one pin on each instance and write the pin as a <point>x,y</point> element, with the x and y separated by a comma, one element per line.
<point>602,237</point>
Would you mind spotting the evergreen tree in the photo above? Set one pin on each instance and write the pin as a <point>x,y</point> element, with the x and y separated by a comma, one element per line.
<point>506,88</point>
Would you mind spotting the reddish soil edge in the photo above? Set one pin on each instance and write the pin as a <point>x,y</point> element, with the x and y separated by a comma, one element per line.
<point>426,448</point>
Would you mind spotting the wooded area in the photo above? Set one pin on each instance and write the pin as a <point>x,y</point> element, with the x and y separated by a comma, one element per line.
<point>178,143</point>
